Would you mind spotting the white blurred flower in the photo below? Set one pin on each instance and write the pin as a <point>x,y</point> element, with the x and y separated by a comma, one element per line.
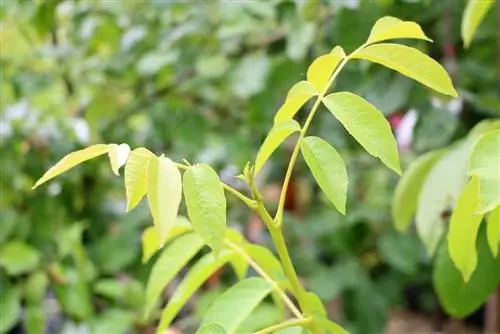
<point>404,132</point>
<point>82,130</point>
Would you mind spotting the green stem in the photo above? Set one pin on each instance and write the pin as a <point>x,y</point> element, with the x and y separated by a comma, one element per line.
<point>285,324</point>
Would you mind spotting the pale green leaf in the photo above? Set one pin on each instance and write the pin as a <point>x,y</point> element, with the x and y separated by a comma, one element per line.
<point>411,63</point>
<point>339,51</point>
<point>10,309</point>
<point>150,243</point>
<point>473,15</point>
<point>212,328</point>
<point>459,298</point>
<point>118,155</point>
<point>18,258</point>
<point>172,259</point>
<point>367,125</point>
<point>266,260</point>
<point>439,193</point>
<point>299,94</point>
<point>276,136</point>
<point>164,193</point>
<point>405,200</point>
<point>328,169</point>
<point>136,175</point>
<point>197,275</point>
<point>329,326</point>
<point>464,224</point>
<point>321,69</point>
<point>232,307</point>
<point>71,160</point>
<point>206,204</point>
<point>493,230</point>
<point>389,27</point>
<point>34,320</point>
<point>485,163</point>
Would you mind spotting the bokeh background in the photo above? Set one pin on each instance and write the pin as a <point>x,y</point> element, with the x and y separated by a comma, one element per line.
<point>202,81</point>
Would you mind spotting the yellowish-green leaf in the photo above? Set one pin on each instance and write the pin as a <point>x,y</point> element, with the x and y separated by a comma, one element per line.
<point>164,193</point>
<point>197,275</point>
<point>299,94</point>
<point>411,63</point>
<point>276,136</point>
<point>405,200</point>
<point>321,69</point>
<point>212,328</point>
<point>172,259</point>
<point>136,176</point>
<point>339,51</point>
<point>485,163</point>
<point>150,243</point>
<point>206,204</point>
<point>367,125</point>
<point>493,230</point>
<point>389,27</point>
<point>439,193</point>
<point>118,155</point>
<point>473,15</point>
<point>328,169</point>
<point>71,160</point>
<point>464,225</point>
<point>236,304</point>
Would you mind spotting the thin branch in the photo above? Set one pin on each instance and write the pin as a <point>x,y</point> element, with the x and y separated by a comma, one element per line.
<point>285,324</point>
<point>265,276</point>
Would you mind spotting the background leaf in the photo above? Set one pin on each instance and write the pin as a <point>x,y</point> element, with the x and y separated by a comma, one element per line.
<point>473,15</point>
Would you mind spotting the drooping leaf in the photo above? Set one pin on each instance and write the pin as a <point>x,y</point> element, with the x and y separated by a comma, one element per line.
<point>172,259</point>
<point>473,15</point>
<point>71,160</point>
<point>464,224</point>
<point>276,136</point>
<point>438,195</point>
<point>232,307</point>
<point>405,200</point>
<point>460,298</point>
<point>321,69</point>
<point>206,204</point>
<point>299,94</point>
<point>196,276</point>
<point>164,194</point>
<point>493,230</point>
<point>485,164</point>
<point>389,27</point>
<point>118,155</point>
<point>212,328</point>
<point>10,309</point>
<point>367,125</point>
<point>328,168</point>
<point>136,171</point>
<point>411,63</point>
<point>18,258</point>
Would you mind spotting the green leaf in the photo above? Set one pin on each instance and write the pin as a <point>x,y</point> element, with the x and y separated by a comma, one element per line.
<point>34,320</point>
<point>112,321</point>
<point>473,15</point>
<point>74,296</point>
<point>367,125</point>
<point>197,274</point>
<point>410,62</point>
<point>276,136</point>
<point>405,200</point>
<point>439,193</point>
<point>150,243</point>
<point>35,287</point>
<point>10,309</point>
<point>493,230</point>
<point>232,307</point>
<point>211,328</point>
<point>71,160</point>
<point>118,155</point>
<point>164,194</point>
<point>18,258</point>
<point>319,315</point>
<point>464,224</point>
<point>172,259</point>
<point>328,169</point>
<point>484,162</point>
<point>321,69</point>
<point>459,298</point>
<point>299,94</point>
<point>269,263</point>
<point>206,204</point>
<point>339,51</point>
<point>136,171</point>
<point>389,27</point>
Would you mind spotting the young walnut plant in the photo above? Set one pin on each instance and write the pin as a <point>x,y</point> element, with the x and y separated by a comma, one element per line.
<point>180,240</point>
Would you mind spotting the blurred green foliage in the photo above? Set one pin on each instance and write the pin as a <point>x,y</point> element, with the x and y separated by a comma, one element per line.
<point>203,81</point>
